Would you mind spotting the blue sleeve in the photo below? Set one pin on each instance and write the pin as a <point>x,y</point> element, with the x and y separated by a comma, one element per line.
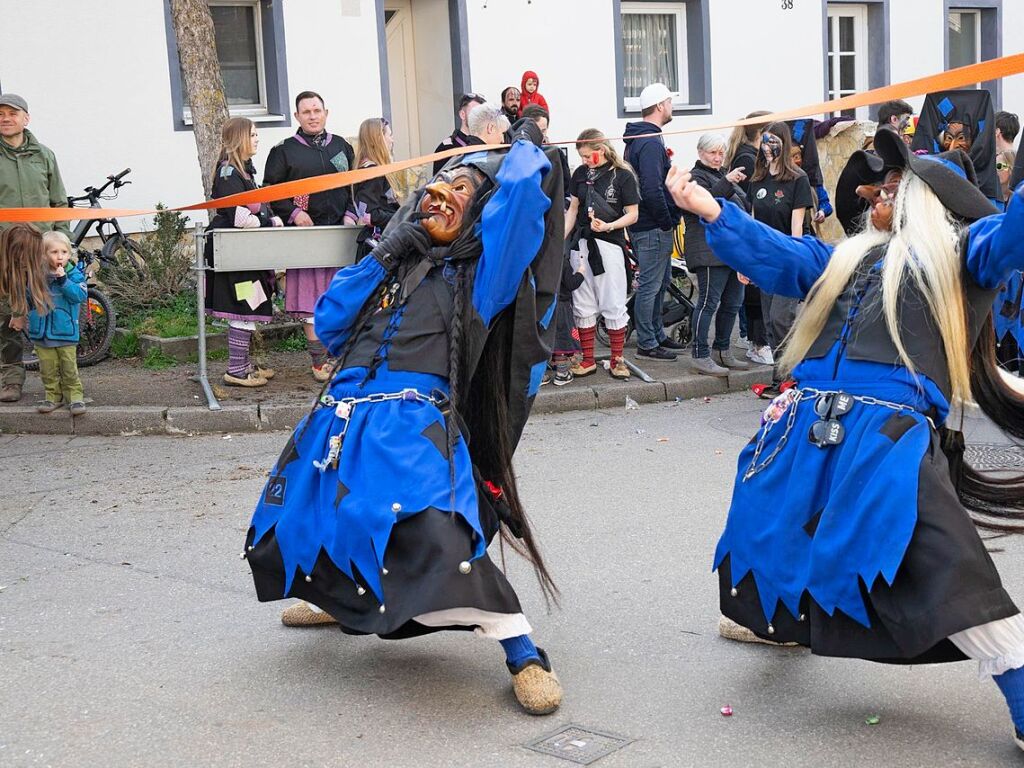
<point>824,204</point>
<point>336,309</point>
<point>776,263</point>
<point>74,287</point>
<point>511,229</point>
<point>995,245</point>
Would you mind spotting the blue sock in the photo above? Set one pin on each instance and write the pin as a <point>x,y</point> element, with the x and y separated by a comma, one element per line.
<point>1011,683</point>
<point>519,649</point>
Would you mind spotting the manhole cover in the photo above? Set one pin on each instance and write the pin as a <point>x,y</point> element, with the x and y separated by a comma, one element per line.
<point>994,456</point>
<point>579,745</point>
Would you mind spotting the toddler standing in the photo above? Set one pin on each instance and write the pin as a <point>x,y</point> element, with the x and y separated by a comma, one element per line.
<point>55,333</point>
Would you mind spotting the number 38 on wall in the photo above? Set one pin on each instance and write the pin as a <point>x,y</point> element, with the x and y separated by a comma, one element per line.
<point>787,5</point>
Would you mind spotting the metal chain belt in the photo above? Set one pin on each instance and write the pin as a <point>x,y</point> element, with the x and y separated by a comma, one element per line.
<point>343,410</point>
<point>794,401</point>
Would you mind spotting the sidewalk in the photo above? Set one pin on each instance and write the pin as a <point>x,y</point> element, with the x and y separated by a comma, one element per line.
<point>126,399</point>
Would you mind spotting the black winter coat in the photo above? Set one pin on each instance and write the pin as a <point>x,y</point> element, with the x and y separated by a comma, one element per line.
<point>695,246</point>
<point>651,162</point>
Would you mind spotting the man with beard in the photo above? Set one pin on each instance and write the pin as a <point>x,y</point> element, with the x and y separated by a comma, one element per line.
<point>381,507</point>
<point>461,136</point>
<point>510,103</point>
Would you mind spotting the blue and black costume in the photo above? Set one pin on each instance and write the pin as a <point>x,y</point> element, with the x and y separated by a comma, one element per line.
<point>845,532</point>
<point>377,510</point>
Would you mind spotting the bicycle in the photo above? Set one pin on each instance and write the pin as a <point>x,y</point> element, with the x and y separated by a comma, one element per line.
<point>117,246</point>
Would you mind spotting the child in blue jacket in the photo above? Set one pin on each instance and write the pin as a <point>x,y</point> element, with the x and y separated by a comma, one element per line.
<point>55,334</point>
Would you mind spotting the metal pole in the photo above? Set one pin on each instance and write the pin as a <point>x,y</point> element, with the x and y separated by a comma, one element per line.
<point>200,270</point>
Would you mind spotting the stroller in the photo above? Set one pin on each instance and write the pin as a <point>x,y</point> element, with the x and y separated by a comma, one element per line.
<point>677,305</point>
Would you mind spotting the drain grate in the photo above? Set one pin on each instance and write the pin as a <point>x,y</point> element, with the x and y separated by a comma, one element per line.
<point>996,456</point>
<point>579,745</point>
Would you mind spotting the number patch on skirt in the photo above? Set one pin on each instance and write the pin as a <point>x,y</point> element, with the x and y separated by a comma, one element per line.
<point>274,494</point>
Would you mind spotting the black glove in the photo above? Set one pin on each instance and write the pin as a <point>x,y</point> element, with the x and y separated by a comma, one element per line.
<point>525,128</point>
<point>405,240</point>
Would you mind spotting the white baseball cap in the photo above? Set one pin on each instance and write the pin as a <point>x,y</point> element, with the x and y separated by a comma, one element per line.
<point>655,93</point>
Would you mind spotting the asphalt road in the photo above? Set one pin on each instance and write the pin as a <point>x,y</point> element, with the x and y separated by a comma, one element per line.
<point>130,634</point>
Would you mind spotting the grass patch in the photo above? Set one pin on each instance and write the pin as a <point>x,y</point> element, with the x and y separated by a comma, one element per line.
<point>125,345</point>
<point>156,360</point>
<point>296,342</point>
<point>211,354</point>
<point>176,319</point>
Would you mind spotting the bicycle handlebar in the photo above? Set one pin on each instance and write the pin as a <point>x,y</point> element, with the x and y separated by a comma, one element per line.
<point>121,175</point>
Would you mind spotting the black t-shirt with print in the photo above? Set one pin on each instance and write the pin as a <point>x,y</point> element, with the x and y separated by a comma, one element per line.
<point>616,189</point>
<point>773,201</point>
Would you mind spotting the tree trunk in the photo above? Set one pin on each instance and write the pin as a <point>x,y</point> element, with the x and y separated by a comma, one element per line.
<point>197,50</point>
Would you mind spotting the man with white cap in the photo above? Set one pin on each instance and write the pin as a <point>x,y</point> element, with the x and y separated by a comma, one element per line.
<point>652,234</point>
<point>29,178</point>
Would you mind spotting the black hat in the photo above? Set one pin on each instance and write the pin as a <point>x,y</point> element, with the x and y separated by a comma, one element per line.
<point>950,175</point>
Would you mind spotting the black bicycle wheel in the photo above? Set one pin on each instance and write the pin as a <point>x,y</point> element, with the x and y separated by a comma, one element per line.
<point>126,252</point>
<point>602,332</point>
<point>96,323</point>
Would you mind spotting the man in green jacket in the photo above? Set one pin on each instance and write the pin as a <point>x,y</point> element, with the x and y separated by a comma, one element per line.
<point>29,178</point>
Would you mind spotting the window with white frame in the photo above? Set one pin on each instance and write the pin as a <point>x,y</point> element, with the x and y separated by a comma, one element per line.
<point>964,30</point>
<point>237,29</point>
<point>847,53</point>
<point>654,50</point>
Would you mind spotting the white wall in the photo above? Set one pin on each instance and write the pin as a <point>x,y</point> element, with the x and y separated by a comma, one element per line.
<point>917,41</point>
<point>577,71</point>
<point>1013,42</point>
<point>105,108</point>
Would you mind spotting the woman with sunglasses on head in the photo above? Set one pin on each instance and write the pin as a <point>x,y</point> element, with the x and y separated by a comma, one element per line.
<point>852,528</point>
<point>374,202</point>
<point>780,195</point>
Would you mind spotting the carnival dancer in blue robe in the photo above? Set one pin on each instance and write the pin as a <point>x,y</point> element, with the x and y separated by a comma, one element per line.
<point>379,512</point>
<point>849,530</point>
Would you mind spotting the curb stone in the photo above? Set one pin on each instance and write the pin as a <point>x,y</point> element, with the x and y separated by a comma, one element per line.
<point>253,417</point>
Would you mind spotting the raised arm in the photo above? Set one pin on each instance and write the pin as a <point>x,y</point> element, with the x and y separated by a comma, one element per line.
<point>512,228</point>
<point>995,245</point>
<point>337,308</point>
<point>788,266</point>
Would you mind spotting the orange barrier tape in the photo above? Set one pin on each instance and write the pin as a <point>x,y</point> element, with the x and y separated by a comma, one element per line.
<point>993,69</point>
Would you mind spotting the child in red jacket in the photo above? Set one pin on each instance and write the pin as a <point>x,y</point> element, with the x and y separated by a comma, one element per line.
<point>531,94</point>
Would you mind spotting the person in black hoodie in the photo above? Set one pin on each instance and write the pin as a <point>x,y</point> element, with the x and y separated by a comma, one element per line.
<point>658,217</point>
<point>312,151</point>
<point>374,201</point>
<point>461,136</point>
<point>720,293</point>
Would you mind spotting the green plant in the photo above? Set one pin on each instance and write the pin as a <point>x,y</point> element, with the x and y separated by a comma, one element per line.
<point>125,345</point>
<point>296,342</point>
<point>156,360</point>
<point>211,354</point>
<point>168,272</point>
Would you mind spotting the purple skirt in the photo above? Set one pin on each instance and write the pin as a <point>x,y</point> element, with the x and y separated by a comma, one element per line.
<point>303,287</point>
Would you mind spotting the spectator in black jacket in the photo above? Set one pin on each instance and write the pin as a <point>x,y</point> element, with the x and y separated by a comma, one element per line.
<point>312,151</point>
<point>461,136</point>
<point>720,293</point>
<point>656,222</point>
<point>374,202</point>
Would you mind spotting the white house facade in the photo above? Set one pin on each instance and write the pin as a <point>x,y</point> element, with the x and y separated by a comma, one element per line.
<point>103,83</point>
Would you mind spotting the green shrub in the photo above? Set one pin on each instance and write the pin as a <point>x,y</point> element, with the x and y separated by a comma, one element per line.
<point>169,254</point>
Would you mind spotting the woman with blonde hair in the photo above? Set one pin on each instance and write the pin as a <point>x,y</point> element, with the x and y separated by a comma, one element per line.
<point>242,298</point>
<point>374,202</point>
<point>851,528</point>
<point>605,187</point>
